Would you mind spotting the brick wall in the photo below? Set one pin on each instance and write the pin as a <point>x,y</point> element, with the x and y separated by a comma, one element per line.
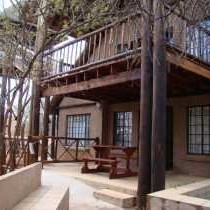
<point>191,164</point>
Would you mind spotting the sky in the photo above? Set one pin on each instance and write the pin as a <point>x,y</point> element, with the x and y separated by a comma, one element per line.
<point>7,3</point>
<point>4,4</point>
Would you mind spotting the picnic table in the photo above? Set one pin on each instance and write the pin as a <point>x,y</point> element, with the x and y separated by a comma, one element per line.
<point>107,161</point>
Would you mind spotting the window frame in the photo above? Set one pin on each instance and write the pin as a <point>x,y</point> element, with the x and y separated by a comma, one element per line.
<point>88,127</point>
<point>202,131</point>
<point>123,143</point>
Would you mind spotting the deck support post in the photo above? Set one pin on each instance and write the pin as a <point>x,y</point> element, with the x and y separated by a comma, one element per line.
<point>144,178</point>
<point>159,101</point>
<point>53,134</point>
<point>104,106</point>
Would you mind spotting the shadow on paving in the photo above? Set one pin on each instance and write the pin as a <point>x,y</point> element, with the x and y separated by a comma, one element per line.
<point>81,194</point>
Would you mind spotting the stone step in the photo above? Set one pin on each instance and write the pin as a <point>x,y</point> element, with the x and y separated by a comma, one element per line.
<point>116,198</point>
<point>46,198</point>
<point>107,184</point>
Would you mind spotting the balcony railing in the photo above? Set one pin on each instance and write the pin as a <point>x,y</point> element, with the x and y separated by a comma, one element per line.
<point>123,39</point>
<point>16,153</point>
<point>20,152</point>
<point>112,41</point>
<point>63,149</point>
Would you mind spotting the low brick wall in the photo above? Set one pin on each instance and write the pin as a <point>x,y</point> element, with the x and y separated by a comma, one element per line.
<point>194,196</point>
<point>15,186</point>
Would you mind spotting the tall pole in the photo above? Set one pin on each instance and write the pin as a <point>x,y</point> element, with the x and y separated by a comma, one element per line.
<point>144,178</point>
<point>159,101</point>
<point>36,76</point>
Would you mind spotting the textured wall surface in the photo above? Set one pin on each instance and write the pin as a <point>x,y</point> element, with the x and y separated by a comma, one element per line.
<point>183,162</point>
<point>15,186</point>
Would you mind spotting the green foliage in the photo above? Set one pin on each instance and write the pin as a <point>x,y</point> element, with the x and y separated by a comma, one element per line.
<point>88,14</point>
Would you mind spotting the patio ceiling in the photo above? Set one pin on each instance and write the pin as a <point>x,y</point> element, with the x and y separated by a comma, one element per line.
<point>179,83</point>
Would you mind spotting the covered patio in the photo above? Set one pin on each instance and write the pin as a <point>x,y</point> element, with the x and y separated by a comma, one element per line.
<point>82,186</point>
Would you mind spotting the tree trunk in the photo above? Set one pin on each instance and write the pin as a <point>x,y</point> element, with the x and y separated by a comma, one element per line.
<point>36,76</point>
<point>46,126</point>
<point>11,161</point>
<point>144,178</point>
<point>2,122</point>
<point>159,101</point>
<point>35,115</point>
<point>19,112</point>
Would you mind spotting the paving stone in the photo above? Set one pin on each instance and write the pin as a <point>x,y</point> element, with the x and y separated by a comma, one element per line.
<point>46,198</point>
<point>117,198</point>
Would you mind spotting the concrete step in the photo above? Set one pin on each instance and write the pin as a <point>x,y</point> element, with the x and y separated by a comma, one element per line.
<point>116,198</point>
<point>46,198</point>
<point>111,184</point>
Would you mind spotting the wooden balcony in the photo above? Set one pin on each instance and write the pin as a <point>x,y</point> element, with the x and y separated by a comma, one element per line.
<point>115,50</point>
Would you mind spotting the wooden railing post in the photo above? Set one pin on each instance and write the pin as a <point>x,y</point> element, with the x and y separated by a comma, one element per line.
<point>29,157</point>
<point>44,147</point>
<point>53,135</point>
<point>42,143</point>
<point>36,145</point>
<point>60,66</point>
<point>13,161</point>
<point>97,141</point>
<point>33,149</point>
<point>52,151</point>
<point>25,148</point>
<point>77,149</point>
<point>56,148</point>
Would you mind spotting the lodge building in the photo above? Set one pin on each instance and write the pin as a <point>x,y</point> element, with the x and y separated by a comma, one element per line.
<point>95,83</point>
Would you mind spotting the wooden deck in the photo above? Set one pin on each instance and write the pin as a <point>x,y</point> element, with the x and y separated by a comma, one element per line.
<point>110,57</point>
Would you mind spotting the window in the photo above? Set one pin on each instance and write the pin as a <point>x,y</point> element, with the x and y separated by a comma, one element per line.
<point>78,126</point>
<point>123,128</point>
<point>199,130</point>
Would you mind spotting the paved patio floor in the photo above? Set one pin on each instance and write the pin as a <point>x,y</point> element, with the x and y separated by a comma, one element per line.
<point>82,185</point>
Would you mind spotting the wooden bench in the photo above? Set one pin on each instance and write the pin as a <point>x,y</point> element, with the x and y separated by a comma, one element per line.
<point>103,165</point>
<point>22,190</point>
<point>107,161</point>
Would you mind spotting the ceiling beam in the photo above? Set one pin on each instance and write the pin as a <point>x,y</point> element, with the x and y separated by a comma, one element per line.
<point>188,65</point>
<point>93,83</point>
